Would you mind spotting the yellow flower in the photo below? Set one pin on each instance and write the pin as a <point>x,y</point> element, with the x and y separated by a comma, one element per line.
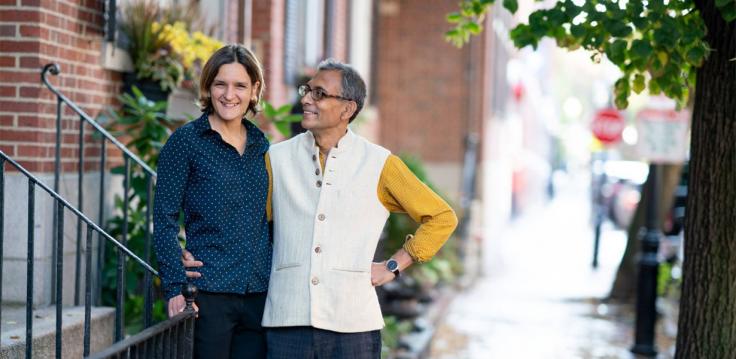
<point>191,50</point>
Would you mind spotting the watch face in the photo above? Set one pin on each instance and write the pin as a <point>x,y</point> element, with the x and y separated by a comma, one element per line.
<point>392,265</point>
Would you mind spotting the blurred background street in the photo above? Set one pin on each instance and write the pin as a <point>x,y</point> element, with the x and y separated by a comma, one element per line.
<point>538,296</point>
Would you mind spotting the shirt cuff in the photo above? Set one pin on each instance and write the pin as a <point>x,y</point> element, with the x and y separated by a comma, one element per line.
<point>172,291</point>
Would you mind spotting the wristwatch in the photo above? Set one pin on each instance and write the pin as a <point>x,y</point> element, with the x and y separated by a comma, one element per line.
<point>393,266</point>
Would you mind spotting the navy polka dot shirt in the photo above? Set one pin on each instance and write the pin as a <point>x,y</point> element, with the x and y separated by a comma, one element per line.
<point>223,196</point>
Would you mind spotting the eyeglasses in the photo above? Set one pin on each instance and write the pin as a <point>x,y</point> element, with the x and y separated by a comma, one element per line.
<point>318,93</point>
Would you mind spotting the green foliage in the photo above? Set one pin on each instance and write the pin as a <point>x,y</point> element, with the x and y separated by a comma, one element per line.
<point>280,117</point>
<point>467,21</point>
<point>657,46</point>
<point>147,127</point>
<point>391,333</point>
<point>727,8</point>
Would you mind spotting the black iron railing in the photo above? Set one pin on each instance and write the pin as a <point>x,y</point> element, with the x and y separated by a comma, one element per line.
<point>60,206</point>
<point>128,157</point>
<point>173,338</point>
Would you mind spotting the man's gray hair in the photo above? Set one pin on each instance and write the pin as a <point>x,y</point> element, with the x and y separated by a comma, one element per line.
<point>353,86</point>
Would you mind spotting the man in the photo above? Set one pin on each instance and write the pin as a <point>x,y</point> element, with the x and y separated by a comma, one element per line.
<point>332,192</point>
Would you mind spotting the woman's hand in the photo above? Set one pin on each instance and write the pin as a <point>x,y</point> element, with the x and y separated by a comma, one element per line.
<point>188,260</point>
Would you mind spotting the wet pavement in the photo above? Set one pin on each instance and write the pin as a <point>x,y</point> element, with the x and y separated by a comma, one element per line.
<point>539,296</point>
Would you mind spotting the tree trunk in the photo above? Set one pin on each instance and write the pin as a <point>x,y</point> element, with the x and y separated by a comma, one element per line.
<point>707,323</point>
<point>624,286</point>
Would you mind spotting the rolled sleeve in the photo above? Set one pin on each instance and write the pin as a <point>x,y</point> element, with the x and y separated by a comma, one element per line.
<point>401,191</point>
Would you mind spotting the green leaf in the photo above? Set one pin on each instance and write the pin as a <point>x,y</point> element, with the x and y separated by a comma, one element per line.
<point>292,118</point>
<point>640,49</point>
<point>522,36</point>
<point>538,24</point>
<point>570,9</point>
<point>454,18</point>
<point>728,12</point>
<point>695,56</point>
<point>511,5</point>
<point>578,31</point>
<point>473,27</point>
<point>723,3</point>
<point>622,101</point>
<point>283,127</point>
<point>616,52</point>
<point>639,83</point>
<point>283,110</point>
<point>268,109</point>
<point>617,28</point>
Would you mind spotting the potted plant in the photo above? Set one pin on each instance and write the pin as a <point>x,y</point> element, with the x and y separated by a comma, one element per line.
<point>163,51</point>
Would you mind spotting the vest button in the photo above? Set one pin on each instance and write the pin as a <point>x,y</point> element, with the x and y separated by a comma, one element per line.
<point>316,172</point>
<point>315,281</point>
<point>321,217</point>
<point>319,183</point>
<point>314,157</point>
<point>317,249</point>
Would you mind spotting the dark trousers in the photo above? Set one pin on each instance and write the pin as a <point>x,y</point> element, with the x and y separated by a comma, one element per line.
<point>229,326</point>
<point>313,343</point>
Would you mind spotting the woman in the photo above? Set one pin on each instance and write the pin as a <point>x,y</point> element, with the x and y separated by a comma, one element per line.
<point>213,169</point>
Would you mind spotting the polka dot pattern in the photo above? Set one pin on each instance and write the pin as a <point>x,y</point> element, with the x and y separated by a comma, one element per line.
<point>223,197</point>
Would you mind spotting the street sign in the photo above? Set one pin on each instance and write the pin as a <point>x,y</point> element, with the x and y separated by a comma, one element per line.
<point>607,126</point>
<point>663,135</point>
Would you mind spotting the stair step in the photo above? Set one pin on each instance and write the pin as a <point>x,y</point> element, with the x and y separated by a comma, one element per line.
<point>102,328</point>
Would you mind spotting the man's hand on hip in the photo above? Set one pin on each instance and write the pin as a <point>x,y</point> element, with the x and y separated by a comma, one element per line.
<point>380,275</point>
<point>188,260</point>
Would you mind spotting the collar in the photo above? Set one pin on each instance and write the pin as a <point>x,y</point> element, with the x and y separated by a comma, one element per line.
<point>343,145</point>
<point>255,135</point>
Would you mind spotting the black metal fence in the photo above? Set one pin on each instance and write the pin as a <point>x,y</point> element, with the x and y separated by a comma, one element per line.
<point>173,338</point>
<point>169,339</point>
<point>61,205</point>
<point>129,158</point>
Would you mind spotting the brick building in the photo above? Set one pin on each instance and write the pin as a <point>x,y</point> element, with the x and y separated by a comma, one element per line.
<point>429,94</point>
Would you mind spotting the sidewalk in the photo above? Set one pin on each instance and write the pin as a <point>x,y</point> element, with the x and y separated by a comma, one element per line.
<point>539,296</point>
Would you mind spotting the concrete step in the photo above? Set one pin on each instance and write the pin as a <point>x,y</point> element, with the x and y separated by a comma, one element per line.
<point>102,331</point>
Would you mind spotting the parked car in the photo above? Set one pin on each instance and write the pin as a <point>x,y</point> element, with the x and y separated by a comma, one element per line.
<point>617,189</point>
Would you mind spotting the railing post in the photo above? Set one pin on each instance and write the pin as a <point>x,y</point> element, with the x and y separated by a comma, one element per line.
<point>57,173</point>
<point>148,287</point>
<point>2,230</point>
<point>29,269</point>
<point>190,292</point>
<point>59,273</point>
<point>80,206</point>
<point>121,290</point>
<point>101,221</point>
<point>88,290</point>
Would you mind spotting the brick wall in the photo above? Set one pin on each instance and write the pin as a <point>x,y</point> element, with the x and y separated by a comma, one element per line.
<point>425,88</point>
<point>34,33</point>
<point>340,28</point>
<point>268,38</point>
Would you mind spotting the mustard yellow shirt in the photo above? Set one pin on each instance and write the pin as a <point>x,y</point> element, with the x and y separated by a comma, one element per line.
<point>399,190</point>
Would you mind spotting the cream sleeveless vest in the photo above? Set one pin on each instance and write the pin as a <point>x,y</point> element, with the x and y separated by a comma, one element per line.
<point>326,228</point>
